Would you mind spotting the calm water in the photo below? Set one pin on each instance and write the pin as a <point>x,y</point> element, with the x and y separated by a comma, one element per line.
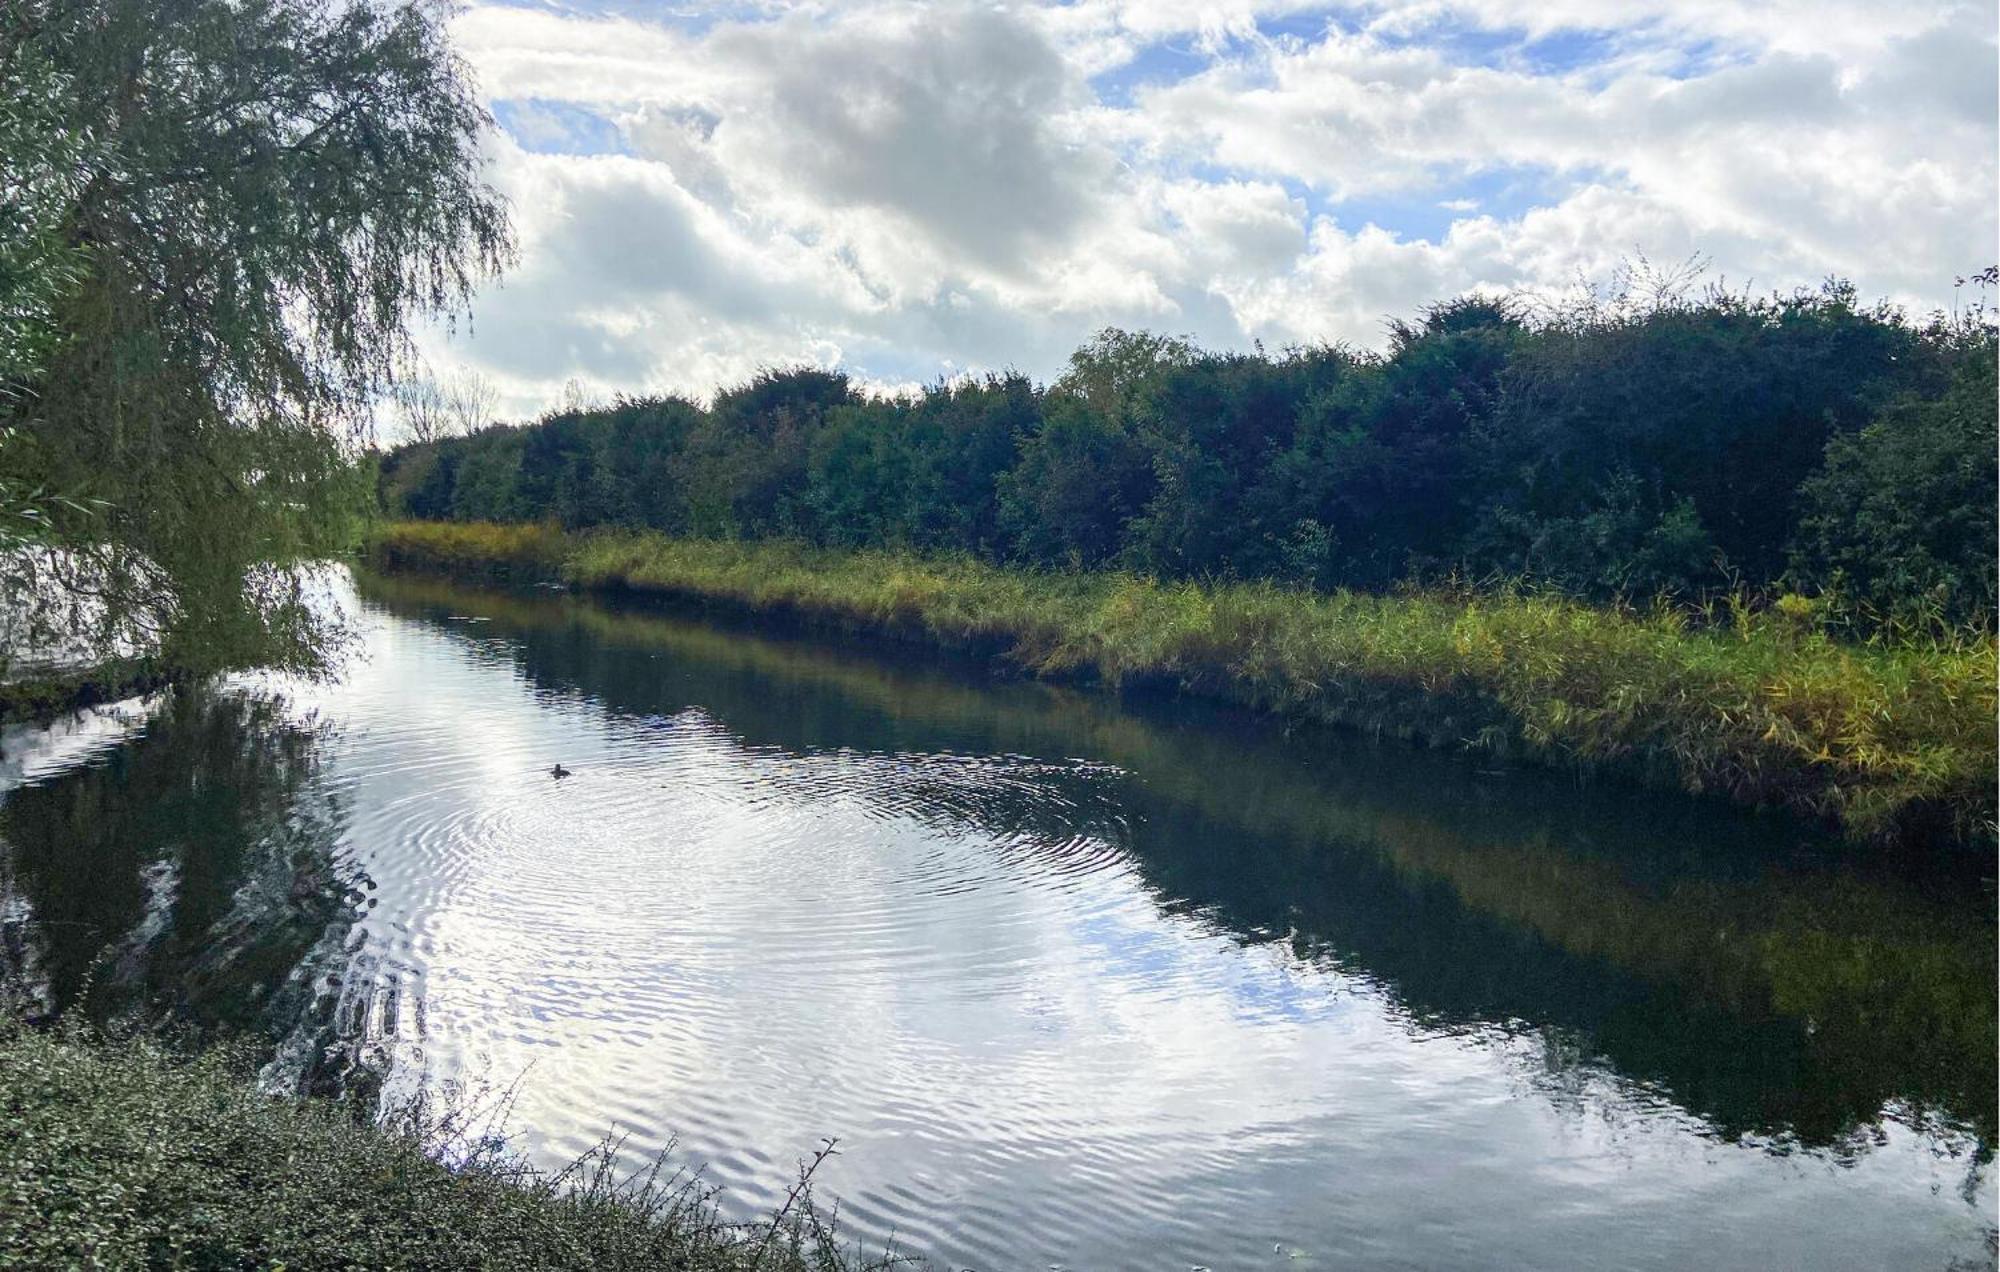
<point>1073,982</point>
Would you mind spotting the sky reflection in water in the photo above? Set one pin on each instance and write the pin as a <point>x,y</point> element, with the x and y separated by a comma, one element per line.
<point>1072,983</point>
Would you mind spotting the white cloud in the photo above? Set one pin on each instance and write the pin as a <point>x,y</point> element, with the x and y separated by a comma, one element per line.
<point>913,189</point>
<point>1849,28</point>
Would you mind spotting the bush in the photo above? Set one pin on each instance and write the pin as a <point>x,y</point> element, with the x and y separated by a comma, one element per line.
<point>122,1154</point>
<point>1901,515</point>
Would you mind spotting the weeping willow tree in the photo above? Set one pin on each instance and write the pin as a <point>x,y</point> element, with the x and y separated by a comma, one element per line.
<point>222,217</point>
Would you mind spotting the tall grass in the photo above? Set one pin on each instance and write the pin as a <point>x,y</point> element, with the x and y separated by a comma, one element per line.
<point>1891,740</point>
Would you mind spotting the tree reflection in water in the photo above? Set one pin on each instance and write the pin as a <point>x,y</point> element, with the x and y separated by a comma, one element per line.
<point>190,878</point>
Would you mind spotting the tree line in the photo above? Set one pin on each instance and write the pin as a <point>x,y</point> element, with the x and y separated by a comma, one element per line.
<point>1683,446</point>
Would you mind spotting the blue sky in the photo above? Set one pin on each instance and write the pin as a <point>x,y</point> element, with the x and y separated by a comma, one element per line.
<point>911,191</point>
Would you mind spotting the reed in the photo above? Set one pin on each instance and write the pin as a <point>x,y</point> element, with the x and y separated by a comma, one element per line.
<point>1890,739</point>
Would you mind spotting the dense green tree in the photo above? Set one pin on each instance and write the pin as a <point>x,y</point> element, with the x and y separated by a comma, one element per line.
<point>45,165</point>
<point>1109,372</point>
<point>641,454</point>
<point>971,434</point>
<point>433,481</point>
<point>1715,410</point>
<point>746,467</point>
<point>1676,446</point>
<point>1378,479</point>
<point>1902,514</point>
<point>1212,428</point>
<point>1081,478</point>
<point>487,481</point>
<point>260,196</point>
<point>862,473</point>
<point>922,470</point>
<point>42,173</point>
<point>1084,472</point>
<point>562,474</point>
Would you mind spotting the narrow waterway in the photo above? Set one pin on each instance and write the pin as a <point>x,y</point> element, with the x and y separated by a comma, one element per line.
<point>1072,981</point>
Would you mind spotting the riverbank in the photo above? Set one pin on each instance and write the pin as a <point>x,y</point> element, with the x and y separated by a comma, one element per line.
<point>121,1154</point>
<point>46,696</point>
<point>1892,743</point>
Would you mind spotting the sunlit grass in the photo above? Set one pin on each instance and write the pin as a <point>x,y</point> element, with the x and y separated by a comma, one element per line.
<point>1890,739</point>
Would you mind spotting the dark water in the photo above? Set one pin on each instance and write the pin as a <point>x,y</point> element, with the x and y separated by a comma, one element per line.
<point>1073,982</point>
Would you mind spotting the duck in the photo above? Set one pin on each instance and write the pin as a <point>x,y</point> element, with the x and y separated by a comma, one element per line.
<point>559,772</point>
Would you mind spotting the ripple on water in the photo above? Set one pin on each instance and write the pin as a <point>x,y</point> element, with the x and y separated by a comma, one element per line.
<point>952,962</point>
<point>650,907</point>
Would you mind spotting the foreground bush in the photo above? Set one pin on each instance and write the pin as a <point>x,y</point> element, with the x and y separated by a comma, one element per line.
<point>121,1155</point>
<point>1892,741</point>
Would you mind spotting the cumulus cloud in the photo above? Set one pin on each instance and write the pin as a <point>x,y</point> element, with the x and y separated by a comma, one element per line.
<point>915,190</point>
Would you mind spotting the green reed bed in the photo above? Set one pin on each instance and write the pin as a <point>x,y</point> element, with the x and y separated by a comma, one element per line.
<point>1892,739</point>
<point>123,1154</point>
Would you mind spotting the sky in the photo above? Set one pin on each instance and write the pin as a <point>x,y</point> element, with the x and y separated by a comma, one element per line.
<point>912,192</point>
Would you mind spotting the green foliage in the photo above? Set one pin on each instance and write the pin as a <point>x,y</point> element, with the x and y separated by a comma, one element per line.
<point>123,1155</point>
<point>920,471</point>
<point>39,265</point>
<point>245,205</point>
<point>1082,477</point>
<point>1901,516</point>
<point>1616,418</point>
<point>1631,446</point>
<point>1383,462</point>
<point>1109,372</point>
<point>750,463</point>
<point>1213,427</point>
<point>46,159</point>
<point>1892,741</point>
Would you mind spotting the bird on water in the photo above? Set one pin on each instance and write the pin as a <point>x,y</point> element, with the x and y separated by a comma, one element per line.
<point>559,772</point>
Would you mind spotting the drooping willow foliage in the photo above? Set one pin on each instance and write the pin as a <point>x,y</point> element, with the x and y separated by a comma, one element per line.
<point>223,215</point>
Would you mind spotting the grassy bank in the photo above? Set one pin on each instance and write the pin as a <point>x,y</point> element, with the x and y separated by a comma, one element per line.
<point>122,1155</point>
<point>1890,741</point>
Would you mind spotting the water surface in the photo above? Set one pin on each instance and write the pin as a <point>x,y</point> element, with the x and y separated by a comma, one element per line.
<point>1073,981</point>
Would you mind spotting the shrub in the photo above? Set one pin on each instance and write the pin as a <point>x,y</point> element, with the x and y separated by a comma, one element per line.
<point>119,1154</point>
